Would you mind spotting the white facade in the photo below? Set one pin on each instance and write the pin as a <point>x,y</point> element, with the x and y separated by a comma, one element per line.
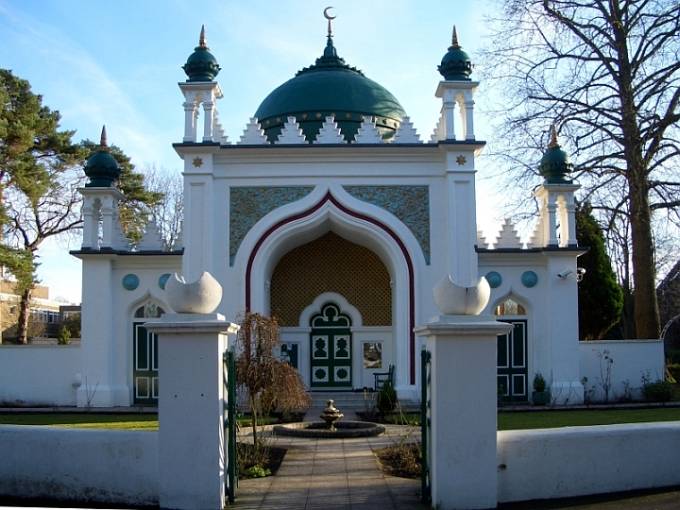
<point>409,203</point>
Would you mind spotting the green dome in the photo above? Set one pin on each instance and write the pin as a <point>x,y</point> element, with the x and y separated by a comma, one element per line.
<point>456,64</point>
<point>329,87</point>
<point>555,163</point>
<point>201,64</point>
<point>101,167</point>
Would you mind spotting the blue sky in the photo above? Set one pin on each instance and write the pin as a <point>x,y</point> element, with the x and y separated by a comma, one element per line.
<point>119,62</point>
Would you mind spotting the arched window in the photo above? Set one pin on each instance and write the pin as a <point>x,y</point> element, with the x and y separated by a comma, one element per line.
<point>510,307</point>
<point>149,311</point>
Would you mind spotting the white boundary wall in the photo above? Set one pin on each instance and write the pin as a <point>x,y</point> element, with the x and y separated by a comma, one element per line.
<point>577,461</point>
<point>109,466</point>
<point>39,374</point>
<point>632,359</point>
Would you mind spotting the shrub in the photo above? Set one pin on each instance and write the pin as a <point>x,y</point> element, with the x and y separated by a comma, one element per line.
<point>387,399</point>
<point>658,391</point>
<point>64,337</point>
<point>539,382</point>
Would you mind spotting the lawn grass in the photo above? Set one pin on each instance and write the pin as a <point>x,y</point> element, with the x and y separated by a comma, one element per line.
<point>124,421</point>
<point>515,420</point>
<point>506,420</point>
<point>553,419</point>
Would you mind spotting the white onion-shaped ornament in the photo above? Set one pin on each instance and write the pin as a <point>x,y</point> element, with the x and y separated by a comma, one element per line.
<point>201,296</point>
<point>454,299</point>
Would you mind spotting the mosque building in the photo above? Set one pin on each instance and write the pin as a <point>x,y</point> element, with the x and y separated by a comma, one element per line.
<point>333,215</point>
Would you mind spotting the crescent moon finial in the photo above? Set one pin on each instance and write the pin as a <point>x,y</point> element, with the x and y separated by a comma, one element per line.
<point>329,18</point>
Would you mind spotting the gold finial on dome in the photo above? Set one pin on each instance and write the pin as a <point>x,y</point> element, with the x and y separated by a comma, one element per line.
<point>201,38</point>
<point>553,137</point>
<point>454,38</point>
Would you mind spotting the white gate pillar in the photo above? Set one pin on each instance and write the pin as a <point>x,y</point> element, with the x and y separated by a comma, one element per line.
<point>191,444</point>
<point>463,409</point>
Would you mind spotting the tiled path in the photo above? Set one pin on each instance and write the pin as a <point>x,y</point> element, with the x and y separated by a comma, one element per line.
<point>331,474</point>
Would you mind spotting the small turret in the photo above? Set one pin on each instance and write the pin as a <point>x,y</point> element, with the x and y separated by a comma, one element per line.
<point>201,64</point>
<point>456,64</point>
<point>101,167</point>
<point>555,163</point>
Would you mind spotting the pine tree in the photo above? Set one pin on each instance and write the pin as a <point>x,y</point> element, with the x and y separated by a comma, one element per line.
<point>40,173</point>
<point>600,298</point>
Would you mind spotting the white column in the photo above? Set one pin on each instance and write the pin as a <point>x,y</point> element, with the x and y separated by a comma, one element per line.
<point>448,107</point>
<point>561,298</point>
<point>461,221</point>
<point>469,116</point>
<point>108,216</point>
<point>90,224</point>
<point>191,445</point>
<point>463,468</point>
<point>552,220</point>
<point>190,110</point>
<point>97,387</point>
<point>208,121</point>
<point>571,219</point>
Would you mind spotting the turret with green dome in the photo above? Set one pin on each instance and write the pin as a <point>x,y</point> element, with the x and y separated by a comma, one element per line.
<point>456,64</point>
<point>201,64</point>
<point>555,163</point>
<point>329,87</point>
<point>101,167</point>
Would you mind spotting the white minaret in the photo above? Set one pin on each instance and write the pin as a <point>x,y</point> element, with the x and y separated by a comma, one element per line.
<point>460,147</point>
<point>100,199</point>
<point>200,89</point>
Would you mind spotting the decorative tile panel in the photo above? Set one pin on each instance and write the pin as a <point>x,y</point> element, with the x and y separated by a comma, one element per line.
<point>411,204</point>
<point>249,204</point>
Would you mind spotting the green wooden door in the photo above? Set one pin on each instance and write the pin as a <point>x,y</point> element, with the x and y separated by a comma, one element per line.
<point>512,363</point>
<point>145,365</point>
<point>331,349</point>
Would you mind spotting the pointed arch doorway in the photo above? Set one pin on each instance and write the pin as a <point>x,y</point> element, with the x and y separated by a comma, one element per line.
<point>512,353</point>
<point>331,348</point>
<point>333,300</point>
<point>145,356</point>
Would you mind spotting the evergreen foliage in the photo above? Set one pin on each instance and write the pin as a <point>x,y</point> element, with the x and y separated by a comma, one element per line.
<point>40,173</point>
<point>135,209</point>
<point>600,298</point>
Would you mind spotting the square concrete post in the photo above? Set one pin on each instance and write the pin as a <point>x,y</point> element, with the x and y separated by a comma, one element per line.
<point>463,409</point>
<point>191,443</point>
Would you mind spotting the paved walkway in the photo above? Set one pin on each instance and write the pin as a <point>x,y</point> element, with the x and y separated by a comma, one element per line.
<point>331,474</point>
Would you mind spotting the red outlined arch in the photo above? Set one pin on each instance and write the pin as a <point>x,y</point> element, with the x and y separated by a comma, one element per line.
<point>409,263</point>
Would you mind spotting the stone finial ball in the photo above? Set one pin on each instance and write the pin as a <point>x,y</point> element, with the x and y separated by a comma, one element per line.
<point>454,299</point>
<point>201,296</point>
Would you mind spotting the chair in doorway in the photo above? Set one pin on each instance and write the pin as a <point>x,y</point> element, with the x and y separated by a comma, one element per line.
<point>380,378</point>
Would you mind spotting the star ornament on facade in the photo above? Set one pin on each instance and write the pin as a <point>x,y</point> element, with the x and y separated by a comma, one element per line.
<point>461,160</point>
<point>197,162</point>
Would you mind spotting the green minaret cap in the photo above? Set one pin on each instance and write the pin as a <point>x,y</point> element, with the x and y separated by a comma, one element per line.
<point>456,64</point>
<point>101,167</point>
<point>555,163</point>
<point>201,64</point>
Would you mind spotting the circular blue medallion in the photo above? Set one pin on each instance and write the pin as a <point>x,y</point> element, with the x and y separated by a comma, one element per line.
<point>163,280</point>
<point>130,281</point>
<point>342,373</point>
<point>495,279</point>
<point>529,279</point>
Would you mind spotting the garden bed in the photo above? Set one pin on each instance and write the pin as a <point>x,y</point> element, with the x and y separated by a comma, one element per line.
<point>258,462</point>
<point>401,459</point>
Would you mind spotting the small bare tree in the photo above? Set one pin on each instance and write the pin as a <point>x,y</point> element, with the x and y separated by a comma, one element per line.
<point>608,74</point>
<point>270,382</point>
<point>168,212</point>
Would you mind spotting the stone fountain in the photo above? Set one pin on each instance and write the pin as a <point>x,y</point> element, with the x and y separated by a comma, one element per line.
<point>331,427</point>
<point>331,415</point>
